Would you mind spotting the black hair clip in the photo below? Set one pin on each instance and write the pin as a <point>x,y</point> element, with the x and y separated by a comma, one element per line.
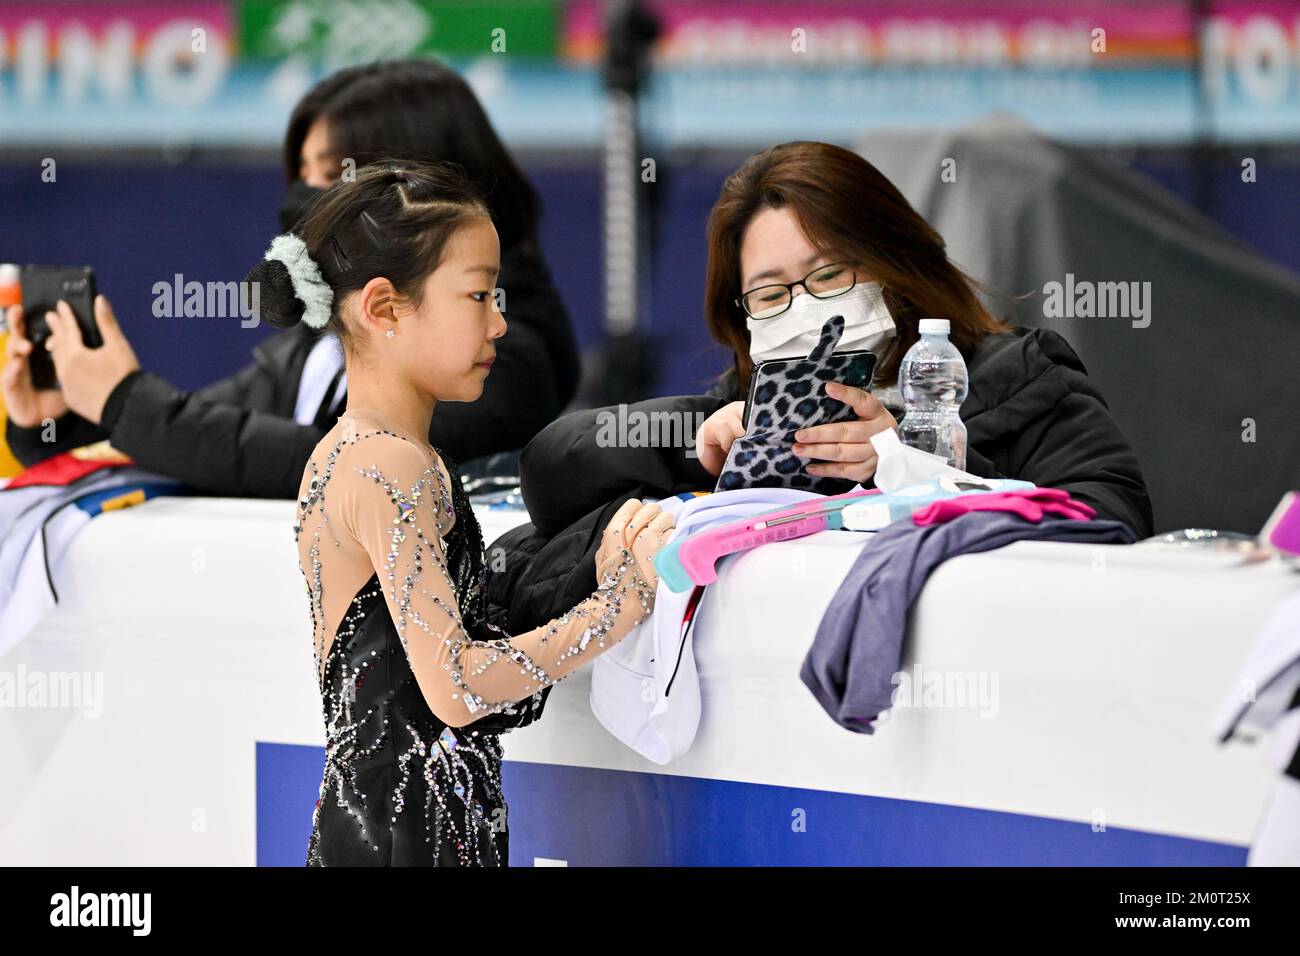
<point>374,232</point>
<point>341,261</point>
<point>399,174</point>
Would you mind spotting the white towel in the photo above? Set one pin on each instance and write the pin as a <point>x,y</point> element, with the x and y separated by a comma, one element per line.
<point>630,693</point>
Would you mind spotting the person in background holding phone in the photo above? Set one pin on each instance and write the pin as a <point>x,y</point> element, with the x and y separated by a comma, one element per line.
<point>250,435</point>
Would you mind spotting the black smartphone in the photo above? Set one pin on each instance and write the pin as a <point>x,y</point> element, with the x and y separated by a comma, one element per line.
<point>42,288</point>
<point>770,380</point>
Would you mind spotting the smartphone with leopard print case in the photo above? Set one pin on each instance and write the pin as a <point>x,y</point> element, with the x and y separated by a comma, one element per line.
<point>770,378</point>
<point>786,395</point>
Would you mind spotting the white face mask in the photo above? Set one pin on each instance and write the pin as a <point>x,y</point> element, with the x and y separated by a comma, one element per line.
<point>793,333</point>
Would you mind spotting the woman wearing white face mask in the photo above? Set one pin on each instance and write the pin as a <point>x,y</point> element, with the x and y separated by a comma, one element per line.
<point>784,319</point>
<point>804,231</point>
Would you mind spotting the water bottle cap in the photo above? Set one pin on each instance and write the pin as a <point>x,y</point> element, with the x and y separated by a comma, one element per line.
<point>935,326</point>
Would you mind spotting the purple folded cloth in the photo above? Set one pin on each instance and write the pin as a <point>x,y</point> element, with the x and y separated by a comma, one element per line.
<point>858,648</point>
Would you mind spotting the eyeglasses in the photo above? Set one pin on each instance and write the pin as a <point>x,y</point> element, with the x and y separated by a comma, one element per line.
<point>824,282</point>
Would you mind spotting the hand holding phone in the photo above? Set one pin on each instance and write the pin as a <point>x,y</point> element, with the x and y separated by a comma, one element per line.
<point>90,351</point>
<point>785,396</point>
<point>25,405</point>
<point>717,434</point>
<point>42,288</point>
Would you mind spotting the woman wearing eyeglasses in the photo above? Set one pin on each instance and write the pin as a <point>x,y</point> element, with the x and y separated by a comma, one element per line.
<point>801,232</point>
<point>804,231</point>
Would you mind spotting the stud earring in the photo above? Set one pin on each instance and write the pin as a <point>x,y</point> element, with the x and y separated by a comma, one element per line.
<point>391,332</point>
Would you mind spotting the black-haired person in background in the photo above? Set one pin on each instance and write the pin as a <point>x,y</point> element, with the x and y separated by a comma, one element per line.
<point>250,435</point>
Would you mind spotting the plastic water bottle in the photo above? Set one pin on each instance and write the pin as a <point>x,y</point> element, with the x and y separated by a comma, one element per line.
<point>932,381</point>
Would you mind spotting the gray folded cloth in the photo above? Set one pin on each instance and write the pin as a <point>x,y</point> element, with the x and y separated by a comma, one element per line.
<point>859,643</point>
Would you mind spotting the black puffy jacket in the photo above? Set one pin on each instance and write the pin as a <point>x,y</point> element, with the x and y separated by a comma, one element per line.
<point>237,437</point>
<point>1031,413</point>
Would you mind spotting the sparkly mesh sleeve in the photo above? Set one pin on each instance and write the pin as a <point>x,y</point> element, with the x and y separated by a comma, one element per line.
<point>396,503</point>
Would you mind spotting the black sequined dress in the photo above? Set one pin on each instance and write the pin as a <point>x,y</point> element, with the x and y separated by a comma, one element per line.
<point>400,787</point>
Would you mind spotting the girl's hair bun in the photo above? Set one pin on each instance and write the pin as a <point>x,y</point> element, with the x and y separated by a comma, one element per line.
<point>277,301</point>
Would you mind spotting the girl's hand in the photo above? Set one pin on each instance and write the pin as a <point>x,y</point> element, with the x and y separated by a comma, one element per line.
<point>88,376</point>
<point>640,528</point>
<point>25,405</point>
<point>716,435</point>
<point>845,446</point>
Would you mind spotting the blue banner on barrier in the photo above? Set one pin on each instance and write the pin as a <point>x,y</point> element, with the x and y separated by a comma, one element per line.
<point>582,816</point>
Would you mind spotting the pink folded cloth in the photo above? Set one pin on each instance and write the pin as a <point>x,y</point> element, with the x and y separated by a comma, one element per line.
<point>1030,503</point>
